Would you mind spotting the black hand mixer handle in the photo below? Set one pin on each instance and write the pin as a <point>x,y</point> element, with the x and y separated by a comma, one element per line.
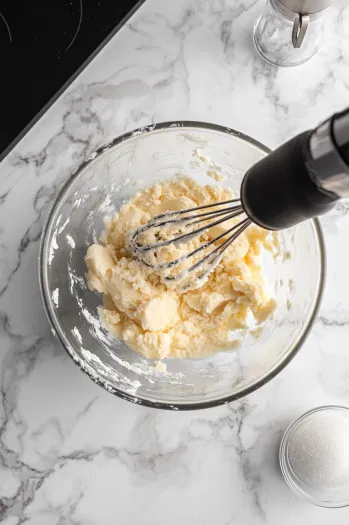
<point>301,179</point>
<point>341,133</point>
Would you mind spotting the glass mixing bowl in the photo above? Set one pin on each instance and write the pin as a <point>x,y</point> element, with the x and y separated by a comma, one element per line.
<point>98,188</point>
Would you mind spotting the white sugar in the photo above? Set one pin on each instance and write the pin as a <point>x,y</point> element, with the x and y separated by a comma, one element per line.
<point>318,451</point>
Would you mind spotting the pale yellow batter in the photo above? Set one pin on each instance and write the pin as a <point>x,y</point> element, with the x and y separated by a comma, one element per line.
<point>159,320</point>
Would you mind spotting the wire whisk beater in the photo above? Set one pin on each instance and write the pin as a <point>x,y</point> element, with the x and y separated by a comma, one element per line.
<point>183,227</point>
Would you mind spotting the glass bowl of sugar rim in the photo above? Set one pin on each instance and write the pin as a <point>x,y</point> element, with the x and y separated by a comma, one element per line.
<point>314,456</point>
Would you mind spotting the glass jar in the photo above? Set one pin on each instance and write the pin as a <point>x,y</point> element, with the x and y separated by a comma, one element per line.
<point>289,32</point>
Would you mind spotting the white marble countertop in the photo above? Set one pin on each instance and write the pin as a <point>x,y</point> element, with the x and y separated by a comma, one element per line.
<point>70,453</point>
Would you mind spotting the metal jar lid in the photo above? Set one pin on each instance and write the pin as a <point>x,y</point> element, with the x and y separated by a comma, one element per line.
<point>303,9</point>
<point>306,7</point>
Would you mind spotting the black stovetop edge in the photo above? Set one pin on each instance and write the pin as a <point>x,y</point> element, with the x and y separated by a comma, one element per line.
<point>47,106</point>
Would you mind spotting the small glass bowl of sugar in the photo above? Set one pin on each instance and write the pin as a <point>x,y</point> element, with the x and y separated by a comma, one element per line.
<point>314,456</point>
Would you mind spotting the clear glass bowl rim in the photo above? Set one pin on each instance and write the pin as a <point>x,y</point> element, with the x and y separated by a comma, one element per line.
<point>59,332</point>
<point>282,458</point>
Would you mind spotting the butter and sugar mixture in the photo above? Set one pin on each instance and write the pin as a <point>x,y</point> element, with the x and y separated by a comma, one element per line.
<point>163,320</point>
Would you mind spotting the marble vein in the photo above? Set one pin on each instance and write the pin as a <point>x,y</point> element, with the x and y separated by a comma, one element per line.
<point>72,454</point>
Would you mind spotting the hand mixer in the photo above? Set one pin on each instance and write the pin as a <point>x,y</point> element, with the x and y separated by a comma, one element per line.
<point>300,180</point>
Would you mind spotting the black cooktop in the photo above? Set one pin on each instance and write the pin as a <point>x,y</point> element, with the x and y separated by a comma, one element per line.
<point>43,46</point>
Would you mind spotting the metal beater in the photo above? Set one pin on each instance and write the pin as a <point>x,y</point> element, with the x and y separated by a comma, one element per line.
<point>301,179</point>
